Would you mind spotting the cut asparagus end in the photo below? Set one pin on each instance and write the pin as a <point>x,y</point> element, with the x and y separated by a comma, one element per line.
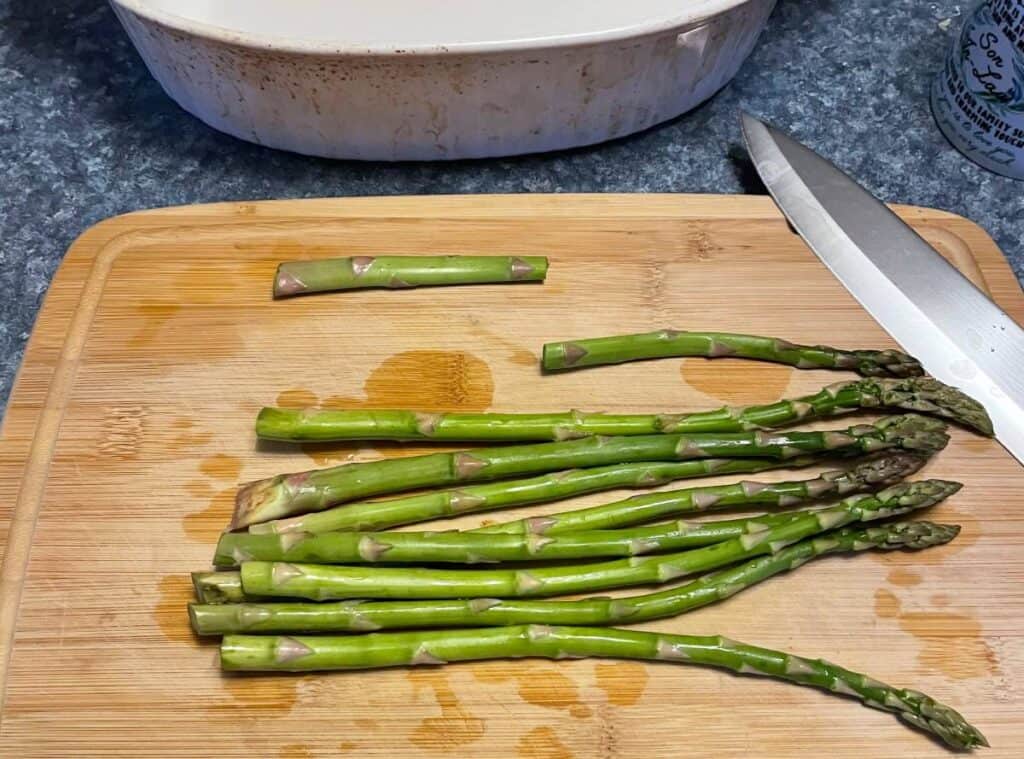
<point>287,282</point>
<point>218,587</point>
<point>262,501</point>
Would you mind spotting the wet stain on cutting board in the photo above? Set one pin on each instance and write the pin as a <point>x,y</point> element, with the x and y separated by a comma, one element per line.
<point>455,727</point>
<point>168,332</point>
<point>155,314</point>
<point>295,751</point>
<point>514,352</point>
<point>542,743</point>
<point>903,577</point>
<point>735,381</point>
<point>269,695</point>
<point>206,525</point>
<point>221,467</point>
<point>623,683</point>
<point>297,398</point>
<point>171,613</point>
<point>430,381</point>
<point>540,686</point>
<point>950,643</point>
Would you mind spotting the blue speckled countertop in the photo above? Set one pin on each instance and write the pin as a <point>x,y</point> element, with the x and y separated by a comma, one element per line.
<point>85,133</point>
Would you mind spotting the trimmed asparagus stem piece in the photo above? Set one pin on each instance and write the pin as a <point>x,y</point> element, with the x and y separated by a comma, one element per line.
<point>289,494</point>
<point>362,616</point>
<point>669,343</point>
<point>393,649</point>
<point>321,582</point>
<point>302,277</point>
<point>920,394</point>
<point>218,587</point>
<point>439,504</point>
<point>534,540</point>
<point>873,474</point>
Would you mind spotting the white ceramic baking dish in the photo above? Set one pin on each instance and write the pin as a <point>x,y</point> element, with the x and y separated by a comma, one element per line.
<point>439,79</point>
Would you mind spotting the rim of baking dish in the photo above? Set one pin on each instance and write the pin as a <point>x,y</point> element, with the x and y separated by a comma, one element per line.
<point>699,11</point>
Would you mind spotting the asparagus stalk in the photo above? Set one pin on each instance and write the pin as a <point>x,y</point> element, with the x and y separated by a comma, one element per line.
<point>224,585</point>
<point>302,277</point>
<point>361,616</point>
<point>456,547</point>
<point>288,494</point>
<point>377,515</point>
<point>375,650</point>
<point>872,474</point>
<point>921,394</point>
<point>668,343</point>
<point>321,582</point>
<point>534,540</point>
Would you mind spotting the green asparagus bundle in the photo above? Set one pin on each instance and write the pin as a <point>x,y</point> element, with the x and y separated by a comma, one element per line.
<point>920,394</point>
<point>532,541</point>
<point>871,474</point>
<point>321,582</point>
<point>289,494</point>
<point>359,272</point>
<point>454,547</point>
<point>439,504</point>
<point>375,650</point>
<point>217,618</point>
<point>668,343</point>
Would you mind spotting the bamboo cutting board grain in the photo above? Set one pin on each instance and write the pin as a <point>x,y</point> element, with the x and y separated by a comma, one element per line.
<point>130,426</point>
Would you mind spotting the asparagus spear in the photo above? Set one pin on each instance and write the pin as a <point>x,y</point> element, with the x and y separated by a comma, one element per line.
<point>321,582</point>
<point>301,277</point>
<point>533,542</point>
<point>921,394</point>
<point>375,650</point>
<point>361,616</point>
<point>288,494</point>
<point>376,515</point>
<point>667,343</point>
<point>224,585</point>
<point>872,474</point>
<point>453,546</point>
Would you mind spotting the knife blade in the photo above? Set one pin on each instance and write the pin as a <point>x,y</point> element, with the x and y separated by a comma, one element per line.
<point>960,336</point>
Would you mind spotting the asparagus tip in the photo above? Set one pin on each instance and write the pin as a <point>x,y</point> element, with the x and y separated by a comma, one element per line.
<point>929,396</point>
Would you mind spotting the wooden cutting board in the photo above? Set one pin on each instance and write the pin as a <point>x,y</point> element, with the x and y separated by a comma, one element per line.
<point>130,426</point>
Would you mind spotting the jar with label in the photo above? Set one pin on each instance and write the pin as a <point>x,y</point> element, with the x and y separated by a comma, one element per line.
<point>978,98</point>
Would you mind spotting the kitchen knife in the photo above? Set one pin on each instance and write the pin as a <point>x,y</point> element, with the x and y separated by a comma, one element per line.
<point>960,336</point>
